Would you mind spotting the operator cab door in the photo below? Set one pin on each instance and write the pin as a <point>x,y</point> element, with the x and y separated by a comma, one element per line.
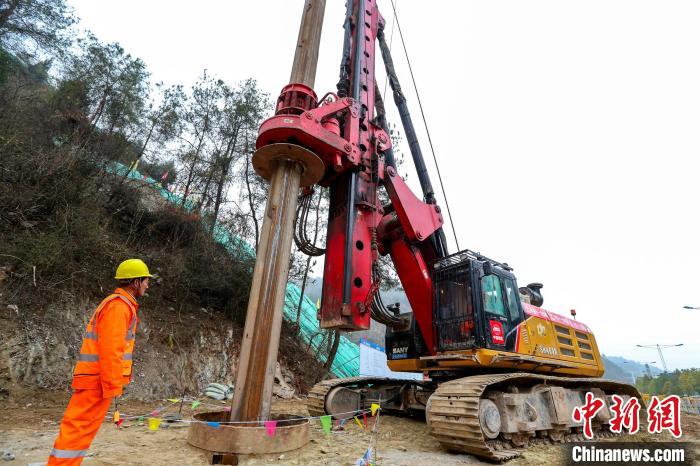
<point>500,307</point>
<point>453,311</point>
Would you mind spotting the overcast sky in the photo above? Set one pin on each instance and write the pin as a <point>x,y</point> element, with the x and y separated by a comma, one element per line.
<point>567,133</point>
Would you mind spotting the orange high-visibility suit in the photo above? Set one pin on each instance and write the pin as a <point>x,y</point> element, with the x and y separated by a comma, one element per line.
<point>103,368</point>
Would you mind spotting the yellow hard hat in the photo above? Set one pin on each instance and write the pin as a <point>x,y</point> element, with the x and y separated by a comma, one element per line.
<point>132,268</point>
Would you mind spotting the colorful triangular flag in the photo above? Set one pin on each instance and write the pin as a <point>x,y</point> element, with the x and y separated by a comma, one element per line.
<point>364,419</point>
<point>174,400</point>
<point>326,423</point>
<point>358,422</point>
<point>116,416</point>
<point>153,423</point>
<point>215,425</point>
<point>196,403</point>
<point>375,408</point>
<point>271,427</point>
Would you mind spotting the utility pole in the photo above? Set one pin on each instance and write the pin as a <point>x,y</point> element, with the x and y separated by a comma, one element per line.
<point>287,167</point>
<point>659,348</point>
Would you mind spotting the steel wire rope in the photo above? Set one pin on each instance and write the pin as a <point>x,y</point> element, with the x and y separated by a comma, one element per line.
<point>391,41</point>
<point>425,124</point>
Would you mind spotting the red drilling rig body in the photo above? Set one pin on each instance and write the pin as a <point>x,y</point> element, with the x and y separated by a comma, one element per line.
<point>341,130</point>
<point>498,369</point>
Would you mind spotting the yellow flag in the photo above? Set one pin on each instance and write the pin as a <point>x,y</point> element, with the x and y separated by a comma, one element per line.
<point>359,423</point>
<point>174,400</point>
<point>374,408</point>
<point>153,423</point>
<point>116,416</point>
<point>318,303</point>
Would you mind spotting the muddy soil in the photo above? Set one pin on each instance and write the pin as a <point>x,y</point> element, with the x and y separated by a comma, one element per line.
<point>28,428</point>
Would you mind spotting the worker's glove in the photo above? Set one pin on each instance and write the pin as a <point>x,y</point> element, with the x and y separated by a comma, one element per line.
<point>219,391</point>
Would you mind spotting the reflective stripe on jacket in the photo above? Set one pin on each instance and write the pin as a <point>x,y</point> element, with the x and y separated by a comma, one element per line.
<point>106,354</point>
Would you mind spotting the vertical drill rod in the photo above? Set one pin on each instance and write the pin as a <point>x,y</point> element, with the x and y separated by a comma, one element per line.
<point>255,375</point>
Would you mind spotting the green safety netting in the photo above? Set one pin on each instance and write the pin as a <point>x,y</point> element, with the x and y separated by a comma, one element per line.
<point>347,359</point>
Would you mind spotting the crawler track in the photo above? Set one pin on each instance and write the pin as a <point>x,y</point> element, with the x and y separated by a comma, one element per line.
<point>316,402</point>
<point>453,412</point>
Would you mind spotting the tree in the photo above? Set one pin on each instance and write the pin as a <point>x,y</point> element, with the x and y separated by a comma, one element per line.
<point>160,124</point>
<point>653,386</point>
<point>667,388</point>
<point>200,111</point>
<point>244,107</point>
<point>115,84</point>
<point>27,26</point>
<point>685,382</point>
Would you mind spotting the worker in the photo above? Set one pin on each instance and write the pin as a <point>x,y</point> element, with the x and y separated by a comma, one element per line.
<point>104,364</point>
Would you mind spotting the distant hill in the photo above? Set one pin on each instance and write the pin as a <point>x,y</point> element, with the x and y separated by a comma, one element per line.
<point>635,368</point>
<point>615,371</point>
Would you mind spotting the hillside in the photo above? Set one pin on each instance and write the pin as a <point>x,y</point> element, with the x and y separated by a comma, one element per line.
<point>67,218</point>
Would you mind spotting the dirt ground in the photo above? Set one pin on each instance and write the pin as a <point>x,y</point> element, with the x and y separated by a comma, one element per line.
<point>28,428</point>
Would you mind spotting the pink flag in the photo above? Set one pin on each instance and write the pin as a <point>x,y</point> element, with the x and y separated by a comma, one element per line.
<point>271,427</point>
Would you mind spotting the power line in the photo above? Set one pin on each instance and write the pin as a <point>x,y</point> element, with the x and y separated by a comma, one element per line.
<point>425,123</point>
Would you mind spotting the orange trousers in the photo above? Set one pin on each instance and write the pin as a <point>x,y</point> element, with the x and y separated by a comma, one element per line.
<point>83,417</point>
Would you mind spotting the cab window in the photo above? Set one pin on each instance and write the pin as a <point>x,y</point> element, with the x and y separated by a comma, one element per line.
<point>512,296</point>
<point>492,295</point>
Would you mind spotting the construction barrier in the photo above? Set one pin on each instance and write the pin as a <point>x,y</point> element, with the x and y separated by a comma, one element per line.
<point>690,404</point>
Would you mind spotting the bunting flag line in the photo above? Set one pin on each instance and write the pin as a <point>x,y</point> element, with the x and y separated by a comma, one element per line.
<point>326,423</point>
<point>374,408</point>
<point>158,414</point>
<point>271,427</point>
<point>153,423</point>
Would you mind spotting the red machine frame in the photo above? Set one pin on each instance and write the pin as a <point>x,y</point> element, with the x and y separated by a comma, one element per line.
<point>342,132</point>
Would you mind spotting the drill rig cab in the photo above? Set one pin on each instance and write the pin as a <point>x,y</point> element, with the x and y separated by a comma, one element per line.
<point>483,322</point>
<point>475,305</point>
